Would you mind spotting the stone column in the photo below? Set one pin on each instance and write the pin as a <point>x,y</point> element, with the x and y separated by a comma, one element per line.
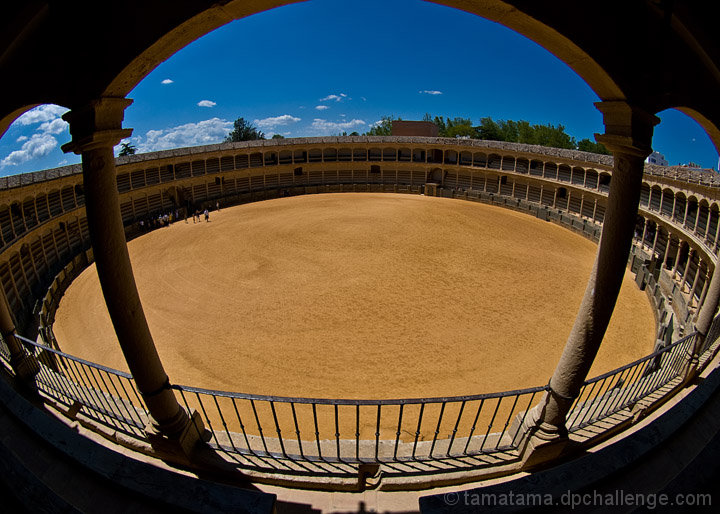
<point>23,364</point>
<point>655,240</point>
<point>707,223</point>
<point>645,227</point>
<point>694,285</point>
<point>667,252</point>
<point>701,300</point>
<point>672,215</point>
<point>677,258</point>
<point>628,134</point>
<point>95,129</point>
<point>707,309</point>
<point>691,254</point>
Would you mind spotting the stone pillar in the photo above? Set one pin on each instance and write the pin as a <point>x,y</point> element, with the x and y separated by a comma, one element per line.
<point>645,227</point>
<point>677,258</point>
<point>710,305</point>
<point>672,215</point>
<point>95,129</point>
<point>694,285</point>
<point>628,134</point>
<point>707,308</point>
<point>667,252</point>
<point>691,254</point>
<point>655,240</point>
<point>706,283</point>
<point>23,364</point>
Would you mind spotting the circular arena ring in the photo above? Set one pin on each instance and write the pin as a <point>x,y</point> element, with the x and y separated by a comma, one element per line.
<point>316,435</point>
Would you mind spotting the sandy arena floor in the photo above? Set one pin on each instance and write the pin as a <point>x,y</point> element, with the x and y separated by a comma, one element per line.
<point>358,296</point>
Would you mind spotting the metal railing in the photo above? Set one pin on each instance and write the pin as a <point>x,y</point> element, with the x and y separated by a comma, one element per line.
<point>623,388</point>
<point>335,436</point>
<point>101,395</point>
<point>363,431</point>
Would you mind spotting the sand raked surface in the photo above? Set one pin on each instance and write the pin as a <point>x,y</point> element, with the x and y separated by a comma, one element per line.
<point>358,296</point>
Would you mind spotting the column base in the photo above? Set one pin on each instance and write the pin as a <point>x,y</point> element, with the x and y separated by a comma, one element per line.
<point>543,442</point>
<point>180,441</point>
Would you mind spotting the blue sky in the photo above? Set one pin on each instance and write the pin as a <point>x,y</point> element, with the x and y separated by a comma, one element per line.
<point>323,67</point>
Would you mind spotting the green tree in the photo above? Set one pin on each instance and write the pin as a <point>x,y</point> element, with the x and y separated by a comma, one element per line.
<point>277,136</point>
<point>459,127</point>
<point>384,128</point>
<point>550,135</point>
<point>488,129</point>
<point>244,131</point>
<point>587,145</point>
<point>127,148</point>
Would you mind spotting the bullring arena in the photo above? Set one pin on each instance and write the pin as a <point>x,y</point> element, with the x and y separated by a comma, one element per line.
<point>361,313</point>
<point>390,295</point>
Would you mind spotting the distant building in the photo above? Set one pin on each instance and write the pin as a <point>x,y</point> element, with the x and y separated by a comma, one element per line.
<point>414,128</point>
<point>657,158</point>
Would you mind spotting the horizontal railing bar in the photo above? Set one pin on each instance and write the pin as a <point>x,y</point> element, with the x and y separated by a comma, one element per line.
<point>639,361</point>
<point>342,401</point>
<point>76,359</point>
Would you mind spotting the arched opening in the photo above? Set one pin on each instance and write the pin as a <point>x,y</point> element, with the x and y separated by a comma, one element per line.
<point>32,142</point>
<point>682,138</point>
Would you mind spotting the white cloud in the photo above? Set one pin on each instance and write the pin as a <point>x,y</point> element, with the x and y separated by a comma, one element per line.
<point>21,139</point>
<point>337,98</point>
<point>205,132</point>
<point>167,81</point>
<point>321,107</point>
<point>431,92</point>
<point>40,114</point>
<point>55,126</point>
<point>332,126</point>
<point>39,145</point>
<point>276,121</point>
<point>206,103</point>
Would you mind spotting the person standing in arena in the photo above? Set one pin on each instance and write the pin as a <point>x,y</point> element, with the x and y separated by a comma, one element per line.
<point>207,215</point>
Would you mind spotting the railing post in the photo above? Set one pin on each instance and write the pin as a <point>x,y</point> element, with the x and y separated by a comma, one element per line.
<point>23,364</point>
<point>628,134</point>
<point>96,128</point>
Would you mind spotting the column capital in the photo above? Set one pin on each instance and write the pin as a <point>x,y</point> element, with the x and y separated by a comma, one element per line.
<point>628,128</point>
<point>97,124</point>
